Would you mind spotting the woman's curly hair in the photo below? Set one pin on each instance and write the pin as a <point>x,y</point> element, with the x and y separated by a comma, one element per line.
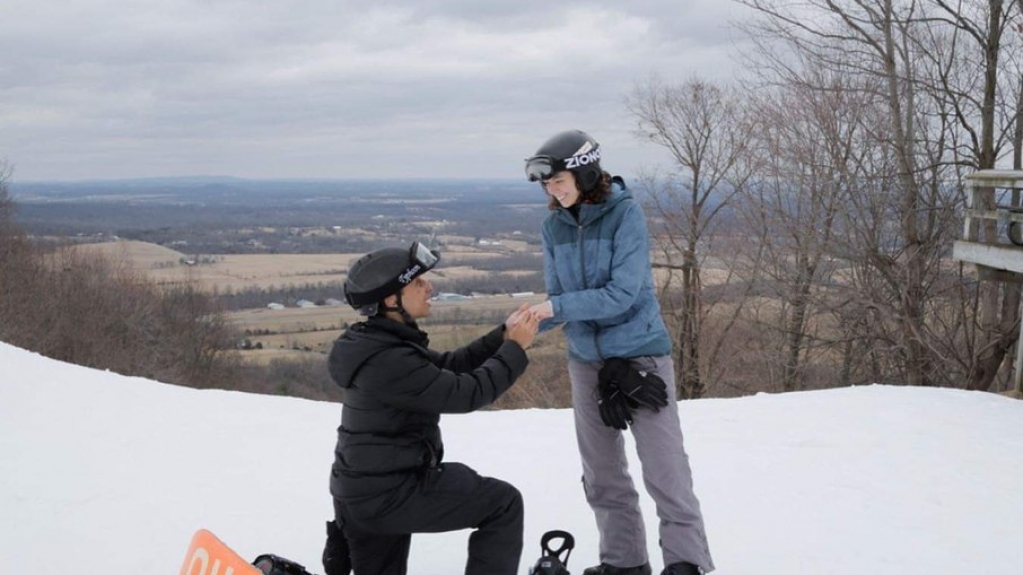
<point>601,190</point>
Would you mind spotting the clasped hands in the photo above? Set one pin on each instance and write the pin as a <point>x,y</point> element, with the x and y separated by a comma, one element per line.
<point>527,317</point>
<point>521,326</point>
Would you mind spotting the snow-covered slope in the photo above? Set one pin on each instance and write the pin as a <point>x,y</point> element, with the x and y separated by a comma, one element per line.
<point>105,474</point>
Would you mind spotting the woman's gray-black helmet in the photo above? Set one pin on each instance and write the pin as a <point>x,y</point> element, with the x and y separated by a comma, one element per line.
<point>572,150</point>
<point>383,273</point>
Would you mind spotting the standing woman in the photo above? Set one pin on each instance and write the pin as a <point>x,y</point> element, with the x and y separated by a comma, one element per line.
<point>600,286</point>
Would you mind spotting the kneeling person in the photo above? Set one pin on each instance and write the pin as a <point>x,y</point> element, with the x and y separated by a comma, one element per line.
<point>389,477</point>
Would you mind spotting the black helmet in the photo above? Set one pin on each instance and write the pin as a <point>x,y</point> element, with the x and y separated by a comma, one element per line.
<point>383,273</point>
<point>572,150</point>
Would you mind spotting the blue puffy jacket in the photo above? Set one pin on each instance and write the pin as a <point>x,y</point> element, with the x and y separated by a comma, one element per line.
<point>599,281</point>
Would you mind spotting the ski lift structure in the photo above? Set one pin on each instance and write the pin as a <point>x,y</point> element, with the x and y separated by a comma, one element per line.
<point>993,235</point>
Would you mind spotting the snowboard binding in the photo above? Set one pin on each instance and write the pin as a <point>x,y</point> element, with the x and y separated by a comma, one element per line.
<point>554,561</point>
<point>270,564</point>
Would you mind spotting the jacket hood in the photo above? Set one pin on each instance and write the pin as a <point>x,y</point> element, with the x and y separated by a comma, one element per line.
<point>365,339</point>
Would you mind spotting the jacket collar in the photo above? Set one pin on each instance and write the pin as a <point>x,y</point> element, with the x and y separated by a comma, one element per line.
<point>398,329</point>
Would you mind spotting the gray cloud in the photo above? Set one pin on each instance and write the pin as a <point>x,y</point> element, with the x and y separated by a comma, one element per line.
<point>327,89</point>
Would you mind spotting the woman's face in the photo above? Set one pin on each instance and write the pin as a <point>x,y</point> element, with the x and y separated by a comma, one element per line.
<point>562,187</point>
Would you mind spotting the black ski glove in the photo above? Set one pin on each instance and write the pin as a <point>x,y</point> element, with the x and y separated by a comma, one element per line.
<point>642,390</point>
<point>336,560</point>
<point>614,406</point>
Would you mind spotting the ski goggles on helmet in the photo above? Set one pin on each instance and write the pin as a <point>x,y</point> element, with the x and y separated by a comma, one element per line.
<point>542,168</point>
<point>422,256</point>
<point>386,272</point>
<point>421,260</point>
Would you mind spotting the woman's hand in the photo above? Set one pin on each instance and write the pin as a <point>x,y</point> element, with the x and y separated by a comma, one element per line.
<point>543,310</point>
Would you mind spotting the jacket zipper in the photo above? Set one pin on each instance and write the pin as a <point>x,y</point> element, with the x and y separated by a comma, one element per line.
<point>582,253</point>
<point>582,264</point>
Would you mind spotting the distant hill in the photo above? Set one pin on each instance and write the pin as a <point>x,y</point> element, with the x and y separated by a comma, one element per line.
<point>219,190</point>
<point>142,254</point>
<point>163,210</point>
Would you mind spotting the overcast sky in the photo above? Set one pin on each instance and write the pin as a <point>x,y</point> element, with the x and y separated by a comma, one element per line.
<point>96,89</point>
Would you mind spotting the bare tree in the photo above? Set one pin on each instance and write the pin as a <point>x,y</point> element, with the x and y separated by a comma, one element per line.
<point>705,130</point>
<point>18,267</point>
<point>6,203</point>
<point>1017,117</point>
<point>808,139</point>
<point>193,332</point>
<point>919,62</point>
<point>965,51</point>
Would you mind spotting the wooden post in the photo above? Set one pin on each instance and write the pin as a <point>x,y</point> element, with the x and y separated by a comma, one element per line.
<point>996,258</point>
<point>1017,372</point>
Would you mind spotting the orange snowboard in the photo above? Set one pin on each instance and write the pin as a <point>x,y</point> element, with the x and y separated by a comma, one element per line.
<point>208,555</point>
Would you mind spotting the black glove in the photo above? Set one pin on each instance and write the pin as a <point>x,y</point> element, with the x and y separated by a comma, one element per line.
<point>642,390</point>
<point>336,560</point>
<point>614,406</point>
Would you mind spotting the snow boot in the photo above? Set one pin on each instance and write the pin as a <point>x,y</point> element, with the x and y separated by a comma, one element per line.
<point>682,569</point>
<point>605,569</point>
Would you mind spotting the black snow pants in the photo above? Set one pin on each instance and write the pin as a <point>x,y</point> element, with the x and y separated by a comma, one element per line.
<point>379,526</point>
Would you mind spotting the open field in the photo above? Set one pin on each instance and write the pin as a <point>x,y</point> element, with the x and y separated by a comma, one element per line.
<point>296,333</point>
<point>225,273</point>
<point>237,272</point>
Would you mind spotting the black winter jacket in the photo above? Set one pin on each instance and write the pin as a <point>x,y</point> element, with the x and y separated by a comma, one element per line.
<point>395,389</point>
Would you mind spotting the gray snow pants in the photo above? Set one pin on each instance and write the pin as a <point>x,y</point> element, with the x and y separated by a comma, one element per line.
<point>665,469</point>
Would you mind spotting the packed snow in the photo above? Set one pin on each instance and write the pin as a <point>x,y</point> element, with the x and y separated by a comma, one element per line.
<point>106,474</point>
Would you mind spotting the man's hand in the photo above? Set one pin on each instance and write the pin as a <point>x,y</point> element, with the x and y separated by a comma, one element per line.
<point>523,329</point>
<point>513,318</point>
